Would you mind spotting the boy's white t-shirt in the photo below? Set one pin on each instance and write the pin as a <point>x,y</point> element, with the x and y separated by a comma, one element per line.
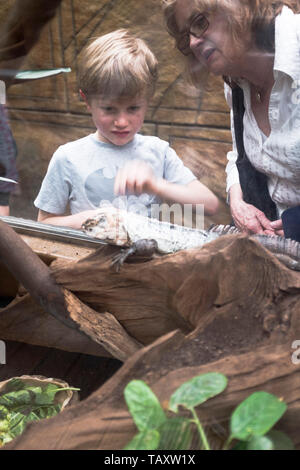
<point>81,174</point>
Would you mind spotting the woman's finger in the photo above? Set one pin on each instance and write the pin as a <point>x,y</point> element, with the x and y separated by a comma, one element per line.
<point>277,224</point>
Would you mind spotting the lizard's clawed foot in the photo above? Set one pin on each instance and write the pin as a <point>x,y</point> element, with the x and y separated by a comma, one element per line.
<point>144,247</point>
<point>120,258</point>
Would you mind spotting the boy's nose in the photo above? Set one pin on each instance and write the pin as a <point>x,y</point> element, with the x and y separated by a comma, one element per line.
<point>121,120</point>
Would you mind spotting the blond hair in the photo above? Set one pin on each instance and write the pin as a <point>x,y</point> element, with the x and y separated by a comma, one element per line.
<point>118,65</point>
<point>254,16</point>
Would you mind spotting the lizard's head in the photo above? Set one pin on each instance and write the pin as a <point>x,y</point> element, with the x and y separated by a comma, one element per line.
<point>107,225</point>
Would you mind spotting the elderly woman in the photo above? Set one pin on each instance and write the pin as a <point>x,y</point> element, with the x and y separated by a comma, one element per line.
<point>255,46</point>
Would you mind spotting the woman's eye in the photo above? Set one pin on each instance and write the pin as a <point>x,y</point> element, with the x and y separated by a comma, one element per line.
<point>134,108</point>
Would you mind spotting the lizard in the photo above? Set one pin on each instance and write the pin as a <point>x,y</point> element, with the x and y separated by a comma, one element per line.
<point>141,235</point>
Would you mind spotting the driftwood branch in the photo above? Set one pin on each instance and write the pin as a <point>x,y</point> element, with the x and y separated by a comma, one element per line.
<point>245,309</point>
<point>103,328</point>
<point>36,277</point>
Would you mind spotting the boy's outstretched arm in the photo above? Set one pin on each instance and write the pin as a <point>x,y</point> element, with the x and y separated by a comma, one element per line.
<point>137,177</point>
<point>73,221</point>
<point>191,193</point>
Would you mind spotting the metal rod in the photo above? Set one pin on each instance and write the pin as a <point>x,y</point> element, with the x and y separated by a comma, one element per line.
<point>53,232</point>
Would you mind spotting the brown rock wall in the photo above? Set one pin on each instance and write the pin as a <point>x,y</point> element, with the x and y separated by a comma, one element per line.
<point>49,112</point>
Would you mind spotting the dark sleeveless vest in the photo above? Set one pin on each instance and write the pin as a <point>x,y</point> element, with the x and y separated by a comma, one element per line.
<point>253,183</point>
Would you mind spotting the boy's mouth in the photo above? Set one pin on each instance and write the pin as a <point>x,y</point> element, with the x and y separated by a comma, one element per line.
<point>121,133</point>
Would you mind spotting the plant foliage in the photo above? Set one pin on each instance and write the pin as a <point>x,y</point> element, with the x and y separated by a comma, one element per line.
<point>250,423</point>
<point>21,404</point>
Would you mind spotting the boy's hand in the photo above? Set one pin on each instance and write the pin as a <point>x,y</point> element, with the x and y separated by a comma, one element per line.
<point>74,221</point>
<point>81,217</point>
<point>136,177</point>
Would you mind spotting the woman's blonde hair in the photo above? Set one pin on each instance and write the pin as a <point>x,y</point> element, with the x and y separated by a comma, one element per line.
<point>254,16</point>
<point>118,65</point>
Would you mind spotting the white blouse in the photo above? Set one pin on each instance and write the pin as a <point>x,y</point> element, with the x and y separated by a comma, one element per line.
<point>277,155</point>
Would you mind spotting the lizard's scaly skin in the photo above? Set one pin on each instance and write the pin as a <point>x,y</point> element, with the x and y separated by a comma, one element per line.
<point>124,228</point>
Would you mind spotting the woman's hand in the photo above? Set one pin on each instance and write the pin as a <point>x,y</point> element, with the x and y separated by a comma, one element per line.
<point>247,217</point>
<point>136,177</point>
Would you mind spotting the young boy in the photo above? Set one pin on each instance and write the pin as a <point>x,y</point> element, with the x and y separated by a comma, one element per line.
<point>116,165</point>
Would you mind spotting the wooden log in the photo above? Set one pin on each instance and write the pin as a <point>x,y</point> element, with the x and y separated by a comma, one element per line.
<point>103,422</point>
<point>245,308</point>
<point>25,321</point>
<point>103,328</point>
<point>182,290</point>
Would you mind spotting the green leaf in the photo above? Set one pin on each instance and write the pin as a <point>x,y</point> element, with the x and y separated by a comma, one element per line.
<point>145,440</point>
<point>19,407</point>
<point>240,445</point>
<point>47,395</point>
<point>3,412</point>
<point>14,385</point>
<point>12,400</point>
<point>280,440</point>
<point>175,434</point>
<point>17,424</point>
<point>35,74</point>
<point>259,443</point>
<point>143,405</point>
<point>197,390</point>
<point>256,415</point>
<point>4,425</point>
<point>4,438</point>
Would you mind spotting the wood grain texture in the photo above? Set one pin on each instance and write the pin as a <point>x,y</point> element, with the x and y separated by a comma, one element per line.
<point>244,307</point>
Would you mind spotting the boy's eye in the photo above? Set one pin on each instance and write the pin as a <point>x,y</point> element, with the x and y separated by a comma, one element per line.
<point>134,108</point>
<point>107,109</point>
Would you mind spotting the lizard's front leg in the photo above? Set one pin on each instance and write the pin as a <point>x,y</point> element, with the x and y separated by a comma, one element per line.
<point>145,247</point>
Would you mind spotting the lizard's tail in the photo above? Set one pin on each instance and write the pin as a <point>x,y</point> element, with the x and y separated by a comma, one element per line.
<point>285,249</point>
<point>223,229</point>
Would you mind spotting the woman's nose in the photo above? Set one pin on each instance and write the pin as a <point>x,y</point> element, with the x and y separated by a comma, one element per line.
<point>194,42</point>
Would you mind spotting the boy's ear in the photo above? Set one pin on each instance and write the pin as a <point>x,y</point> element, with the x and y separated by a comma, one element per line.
<point>83,96</point>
